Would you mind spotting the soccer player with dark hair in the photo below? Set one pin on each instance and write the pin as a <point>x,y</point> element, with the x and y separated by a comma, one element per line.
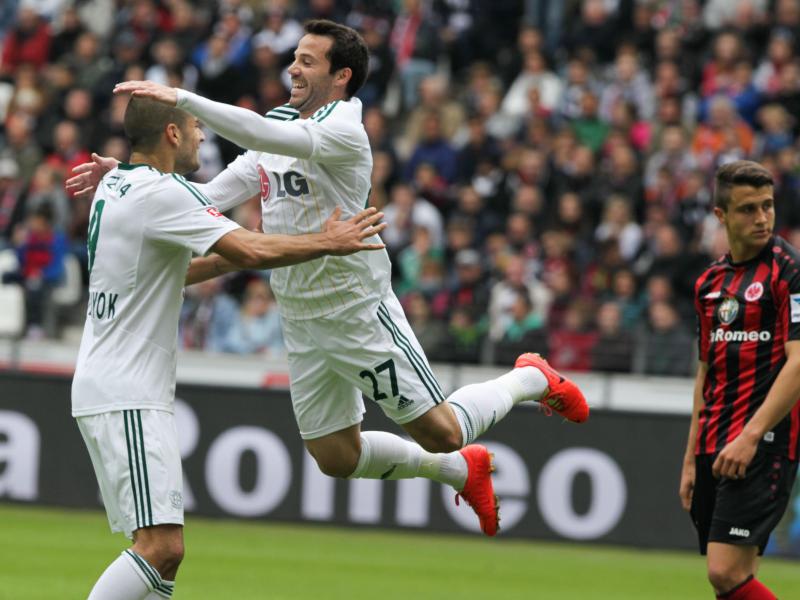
<point>741,456</point>
<point>146,221</point>
<point>346,333</point>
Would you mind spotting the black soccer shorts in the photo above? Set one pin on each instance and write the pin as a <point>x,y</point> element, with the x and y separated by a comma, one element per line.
<point>741,511</point>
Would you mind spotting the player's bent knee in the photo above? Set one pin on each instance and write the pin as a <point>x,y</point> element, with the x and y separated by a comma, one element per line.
<point>446,442</point>
<point>723,578</point>
<point>340,467</point>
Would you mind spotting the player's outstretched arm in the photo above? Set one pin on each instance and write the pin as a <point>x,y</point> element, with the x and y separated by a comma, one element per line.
<point>239,125</point>
<point>87,175</point>
<point>732,462</point>
<point>241,249</point>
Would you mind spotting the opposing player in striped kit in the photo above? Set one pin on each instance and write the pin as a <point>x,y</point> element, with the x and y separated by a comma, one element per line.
<point>146,222</point>
<point>344,328</point>
<point>744,438</point>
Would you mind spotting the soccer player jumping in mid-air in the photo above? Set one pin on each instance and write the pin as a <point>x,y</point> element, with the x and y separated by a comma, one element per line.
<point>345,330</point>
<point>146,222</point>
<point>741,457</point>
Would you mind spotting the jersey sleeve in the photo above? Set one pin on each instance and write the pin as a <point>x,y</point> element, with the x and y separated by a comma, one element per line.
<point>238,182</point>
<point>177,213</point>
<point>703,325</point>
<point>788,299</point>
<point>335,140</point>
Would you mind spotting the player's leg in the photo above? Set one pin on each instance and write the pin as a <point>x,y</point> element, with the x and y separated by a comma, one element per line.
<point>362,357</point>
<point>475,407</point>
<point>745,513</point>
<point>731,569</point>
<point>137,462</point>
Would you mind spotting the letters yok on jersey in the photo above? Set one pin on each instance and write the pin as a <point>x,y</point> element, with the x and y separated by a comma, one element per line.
<point>102,305</point>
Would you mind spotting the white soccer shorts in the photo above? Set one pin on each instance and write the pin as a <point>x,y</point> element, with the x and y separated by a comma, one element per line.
<point>138,466</point>
<point>366,349</point>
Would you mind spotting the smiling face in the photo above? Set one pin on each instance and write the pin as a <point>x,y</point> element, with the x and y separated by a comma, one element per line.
<point>313,85</point>
<point>748,220</point>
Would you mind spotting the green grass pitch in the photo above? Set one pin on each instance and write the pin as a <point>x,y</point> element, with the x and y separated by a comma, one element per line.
<point>48,554</point>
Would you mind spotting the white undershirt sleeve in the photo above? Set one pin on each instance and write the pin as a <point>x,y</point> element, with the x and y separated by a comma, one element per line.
<point>247,128</point>
<point>228,189</point>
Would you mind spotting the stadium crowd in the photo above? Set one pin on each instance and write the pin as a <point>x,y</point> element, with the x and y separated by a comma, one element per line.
<point>544,165</point>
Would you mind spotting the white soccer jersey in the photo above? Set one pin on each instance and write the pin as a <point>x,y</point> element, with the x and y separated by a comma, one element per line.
<point>144,227</point>
<point>298,195</point>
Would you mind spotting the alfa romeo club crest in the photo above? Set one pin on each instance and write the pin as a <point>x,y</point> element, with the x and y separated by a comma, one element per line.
<point>728,310</point>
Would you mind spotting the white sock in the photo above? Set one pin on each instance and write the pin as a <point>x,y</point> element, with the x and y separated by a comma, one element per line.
<point>149,575</point>
<point>122,580</point>
<point>388,456</point>
<point>478,406</point>
<point>160,595</point>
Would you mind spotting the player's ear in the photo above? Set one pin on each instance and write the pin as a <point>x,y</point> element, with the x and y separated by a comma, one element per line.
<point>344,75</point>
<point>173,133</point>
<point>720,214</point>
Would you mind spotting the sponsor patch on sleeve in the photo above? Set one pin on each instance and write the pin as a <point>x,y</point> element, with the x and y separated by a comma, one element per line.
<point>794,311</point>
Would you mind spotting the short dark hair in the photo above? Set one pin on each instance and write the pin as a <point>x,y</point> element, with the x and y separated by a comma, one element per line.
<point>146,119</point>
<point>348,50</point>
<point>738,173</point>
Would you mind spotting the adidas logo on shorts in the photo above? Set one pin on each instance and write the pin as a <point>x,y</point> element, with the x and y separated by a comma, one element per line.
<point>404,403</point>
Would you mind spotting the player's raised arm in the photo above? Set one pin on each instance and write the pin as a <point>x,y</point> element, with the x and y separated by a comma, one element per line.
<point>239,125</point>
<point>87,175</point>
<point>242,249</point>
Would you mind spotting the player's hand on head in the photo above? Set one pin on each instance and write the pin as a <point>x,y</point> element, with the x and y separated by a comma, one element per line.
<point>347,237</point>
<point>87,175</point>
<point>148,89</point>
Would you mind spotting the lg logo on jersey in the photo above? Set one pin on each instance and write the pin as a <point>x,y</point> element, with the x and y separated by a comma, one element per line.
<point>290,183</point>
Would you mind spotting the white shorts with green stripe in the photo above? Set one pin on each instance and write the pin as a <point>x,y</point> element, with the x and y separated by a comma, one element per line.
<point>138,466</point>
<point>367,349</point>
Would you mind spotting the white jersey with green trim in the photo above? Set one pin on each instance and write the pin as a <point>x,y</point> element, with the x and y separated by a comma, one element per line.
<point>144,227</point>
<point>298,195</point>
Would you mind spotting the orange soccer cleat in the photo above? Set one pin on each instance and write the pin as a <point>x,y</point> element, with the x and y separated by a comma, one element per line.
<point>562,395</point>
<point>478,490</point>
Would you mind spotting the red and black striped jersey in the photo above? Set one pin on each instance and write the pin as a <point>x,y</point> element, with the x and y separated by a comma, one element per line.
<point>746,312</point>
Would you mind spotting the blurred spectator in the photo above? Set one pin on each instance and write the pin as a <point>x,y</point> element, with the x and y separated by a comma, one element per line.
<point>40,253</point>
<point>723,131</point>
<point>433,98</point>
<point>613,350</point>
<point>618,225</point>
<point>535,75</point>
<point>667,346</point>
<point>464,337</point>
<point>524,332</point>
<point>468,288</point>
<point>404,213</point>
<point>415,41</point>
<point>207,315</point>
<point>571,344</point>
<point>431,333</point>
<point>381,62</point>
<point>68,149</point>
<point>12,205</point>
<point>413,259</point>
<point>169,58</point>
<point>27,42</point>
<point>630,83</point>
<point>20,145</point>
<point>503,296</point>
<point>434,149</point>
<point>257,326</point>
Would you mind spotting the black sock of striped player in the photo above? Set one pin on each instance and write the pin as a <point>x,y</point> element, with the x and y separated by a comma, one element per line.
<point>130,577</point>
<point>388,456</point>
<point>478,406</point>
